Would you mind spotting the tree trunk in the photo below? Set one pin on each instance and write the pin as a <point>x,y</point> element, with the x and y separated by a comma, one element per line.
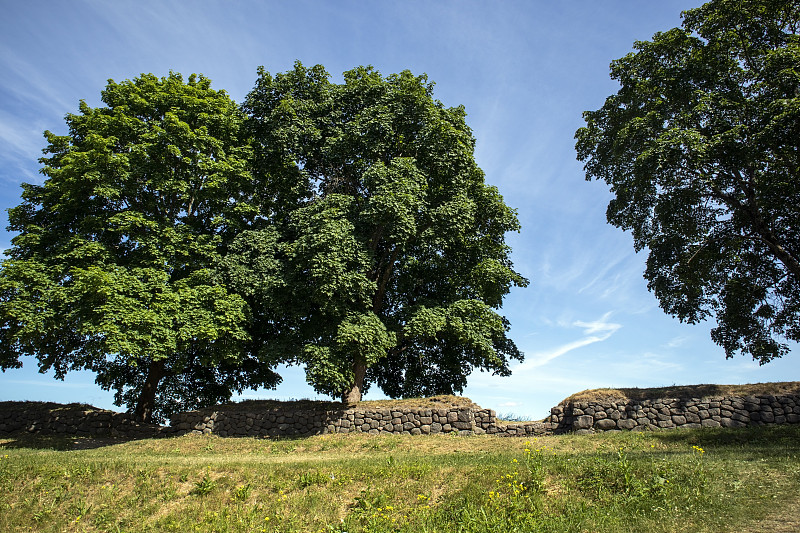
<point>353,395</point>
<point>147,398</point>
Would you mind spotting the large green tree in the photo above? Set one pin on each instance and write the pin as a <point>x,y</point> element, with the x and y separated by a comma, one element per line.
<point>115,267</point>
<point>392,245</point>
<point>701,148</point>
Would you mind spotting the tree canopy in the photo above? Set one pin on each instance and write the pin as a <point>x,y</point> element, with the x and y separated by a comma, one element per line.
<point>115,267</point>
<point>180,246</point>
<point>700,147</point>
<point>394,262</point>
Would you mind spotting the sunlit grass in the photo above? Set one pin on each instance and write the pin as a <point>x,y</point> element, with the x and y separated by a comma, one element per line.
<point>712,480</point>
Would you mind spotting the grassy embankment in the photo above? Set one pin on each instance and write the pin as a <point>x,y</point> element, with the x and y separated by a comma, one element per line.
<point>700,480</point>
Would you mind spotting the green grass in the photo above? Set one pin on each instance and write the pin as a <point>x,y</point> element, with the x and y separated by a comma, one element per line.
<point>694,481</point>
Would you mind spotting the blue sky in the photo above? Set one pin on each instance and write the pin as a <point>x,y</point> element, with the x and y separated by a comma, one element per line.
<point>524,70</point>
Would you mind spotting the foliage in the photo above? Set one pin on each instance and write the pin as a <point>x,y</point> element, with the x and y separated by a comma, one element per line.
<point>700,148</point>
<point>392,244</point>
<point>114,267</point>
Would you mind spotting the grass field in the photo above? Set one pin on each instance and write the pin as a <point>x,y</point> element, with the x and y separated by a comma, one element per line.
<point>698,480</point>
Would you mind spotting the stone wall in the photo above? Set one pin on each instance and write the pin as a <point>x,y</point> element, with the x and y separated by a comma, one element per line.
<point>229,421</point>
<point>670,413</point>
<point>72,419</point>
<point>240,420</point>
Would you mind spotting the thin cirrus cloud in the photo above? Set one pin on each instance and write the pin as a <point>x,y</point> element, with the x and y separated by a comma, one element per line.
<point>593,332</point>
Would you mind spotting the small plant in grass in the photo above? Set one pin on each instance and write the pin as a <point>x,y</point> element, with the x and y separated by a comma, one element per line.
<point>630,485</point>
<point>369,500</point>
<point>205,485</point>
<point>698,470</point>
<point>308,479</point>
<point>534,463</point>
<point>372,512</point>
<point>81,509</point>
<point>241,493</point>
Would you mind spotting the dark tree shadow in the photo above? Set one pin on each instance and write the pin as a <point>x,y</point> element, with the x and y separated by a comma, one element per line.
<point>785,435</point>
<point>57,442</point>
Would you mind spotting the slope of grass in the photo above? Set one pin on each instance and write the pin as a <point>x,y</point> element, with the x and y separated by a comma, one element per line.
<point>711,480</point>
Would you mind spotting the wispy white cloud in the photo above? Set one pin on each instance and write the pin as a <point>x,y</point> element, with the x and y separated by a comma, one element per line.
<point>601,278</point>
<point>602,326</point>
<point>32,84</point>
<point>651,363</point>
<point>19,137</point>
<point>594,331</point>
<point>676,342</point>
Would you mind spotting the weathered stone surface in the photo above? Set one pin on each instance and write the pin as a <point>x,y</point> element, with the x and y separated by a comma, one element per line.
<point>583,422</point>
<point>602,416</point>
<point>605,424</point>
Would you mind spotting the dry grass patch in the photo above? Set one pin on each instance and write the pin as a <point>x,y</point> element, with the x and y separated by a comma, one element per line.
<point>433,402</point>
<point>388,483</point>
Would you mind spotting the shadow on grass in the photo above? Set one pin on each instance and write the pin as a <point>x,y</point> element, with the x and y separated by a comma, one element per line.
<point>787,436</point>
<point>57,442</point>
<point>65,443</point>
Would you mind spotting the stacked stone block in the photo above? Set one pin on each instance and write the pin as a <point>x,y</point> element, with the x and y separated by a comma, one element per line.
<point>73,419</point>
<point>671,413</point>
<point>238,421</point>
<point>304,422</point>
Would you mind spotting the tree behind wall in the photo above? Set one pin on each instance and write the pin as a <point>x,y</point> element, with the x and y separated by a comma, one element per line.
<point>114,268</point>
<point>701,147</point>
<point>396,262</point>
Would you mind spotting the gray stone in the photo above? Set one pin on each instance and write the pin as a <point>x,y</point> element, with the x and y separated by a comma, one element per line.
<point>731,423</point>
<point>605,424</point>
<point>739,417</point>
<point>583,422</point>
